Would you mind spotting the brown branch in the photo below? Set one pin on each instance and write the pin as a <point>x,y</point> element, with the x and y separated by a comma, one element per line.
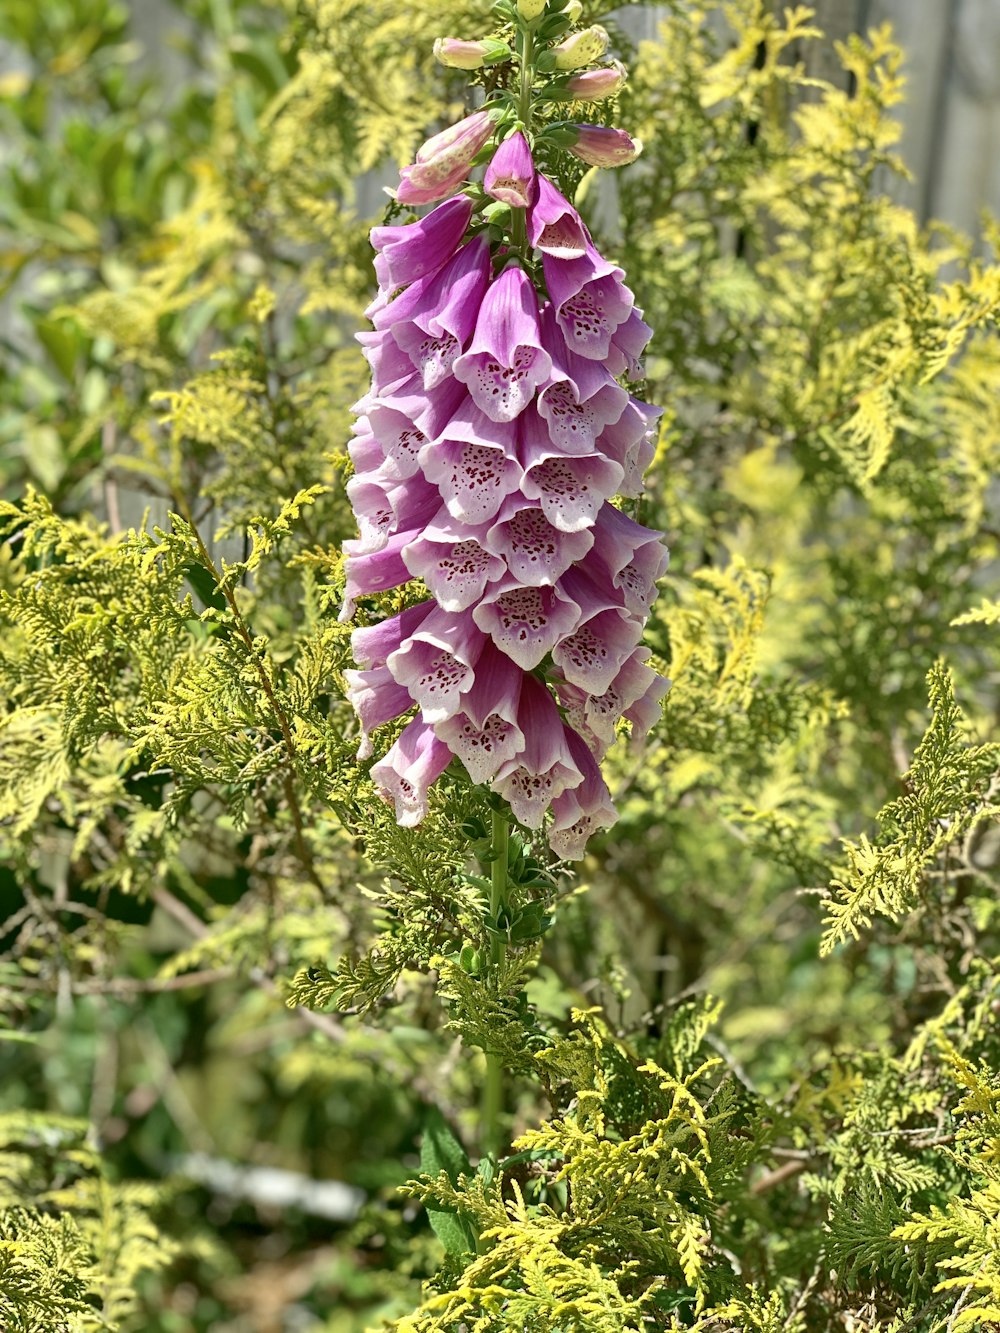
<point>182,914</point>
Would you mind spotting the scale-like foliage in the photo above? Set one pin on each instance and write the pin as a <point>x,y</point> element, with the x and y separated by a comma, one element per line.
<point>195,869</point>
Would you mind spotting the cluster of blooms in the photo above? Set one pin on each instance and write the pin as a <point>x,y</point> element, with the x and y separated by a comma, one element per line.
<point>486,453</point>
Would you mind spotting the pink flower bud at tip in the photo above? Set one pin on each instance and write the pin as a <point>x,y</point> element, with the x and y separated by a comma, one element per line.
<point>443,162</point>
<point>594,85</point>
<point>457,53</point>
<point>604,146</point>
<point>581,48</point>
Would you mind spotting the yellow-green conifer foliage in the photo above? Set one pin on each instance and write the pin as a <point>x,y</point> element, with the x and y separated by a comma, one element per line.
<point>215,941</point>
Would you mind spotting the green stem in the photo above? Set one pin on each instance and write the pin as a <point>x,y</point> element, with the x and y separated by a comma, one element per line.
<point>519,227</point>
<point>493,1087</point>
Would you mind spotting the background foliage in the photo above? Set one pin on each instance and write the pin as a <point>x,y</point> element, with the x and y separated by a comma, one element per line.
<point>215,946</point>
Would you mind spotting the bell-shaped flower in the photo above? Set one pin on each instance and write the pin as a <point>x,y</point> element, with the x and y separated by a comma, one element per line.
<point>371,572</point>
<point>580,811</point>
<point>473,462</point>
<point>632,554</point>
<point>535,552</point>
<point>628,342</point>
<point>372,645</point>
<point>600,713</point>
<point>453,561</point>
<point>405,774</point>
<point>437,662</point>
<point>590,301</point>
<point>376,698</point>
<point>581,398</point>
<point>545,767</point>
<point>631,442</point>
<point>415,249</point>
<point>570,490</point>
<point>432,319</point>
<point>595,652</point>
<point>526,623</point>
<point>554,225</point>
<point>485,733</point>
<point>444,160</point>
<point>387,360</point>
<point>646,711</point>
<point>510,176</point>
<point>383,507</point>
<point>505,362</point>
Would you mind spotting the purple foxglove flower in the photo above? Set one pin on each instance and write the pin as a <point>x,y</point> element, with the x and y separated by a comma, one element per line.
<point>377,699</point>
<point>594,85</point>
<point>400,440</point>
<point>364,450</point>
<point>371,572</point>
<point>405,774</point>
<point>416,249</point>
<point>535,552</point>
<point>453,562</point>
<point>444,161</point>
<point>554,225</point>
<point>403,420</point>
<point>505,362</point>
<point>510,176</point>
<point>582,397</point>
<point>628,342</point>
<point>387,360</point>
<point>580,811</point>
<point>432,319</point>
<point>634,556</point>
<point>473,462</point>
<point>372,644</point>
<point>436,663</point>
<point>599,714</point>
<point>646,711</point>
<point>590,301</point>
<point>581,48</point>
<point>570,490</point>
<point>525,623</point>
<point>545,766</point>
<point>595,652</point>
<point>604,146</point>
<point>383,507</point>
<point>485,733</point>
<point>631,442</point>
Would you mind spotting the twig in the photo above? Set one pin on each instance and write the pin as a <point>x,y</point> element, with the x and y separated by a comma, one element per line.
<point>183,915</point>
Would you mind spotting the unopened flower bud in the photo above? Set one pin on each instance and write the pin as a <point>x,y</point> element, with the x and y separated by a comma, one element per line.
<point>581,48</point>
<point>444,160</point>
<point>574,11</point>
<point>594,85</point>
<point>604,146</point>
<point>457,53</point>
<point>530,9</point>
